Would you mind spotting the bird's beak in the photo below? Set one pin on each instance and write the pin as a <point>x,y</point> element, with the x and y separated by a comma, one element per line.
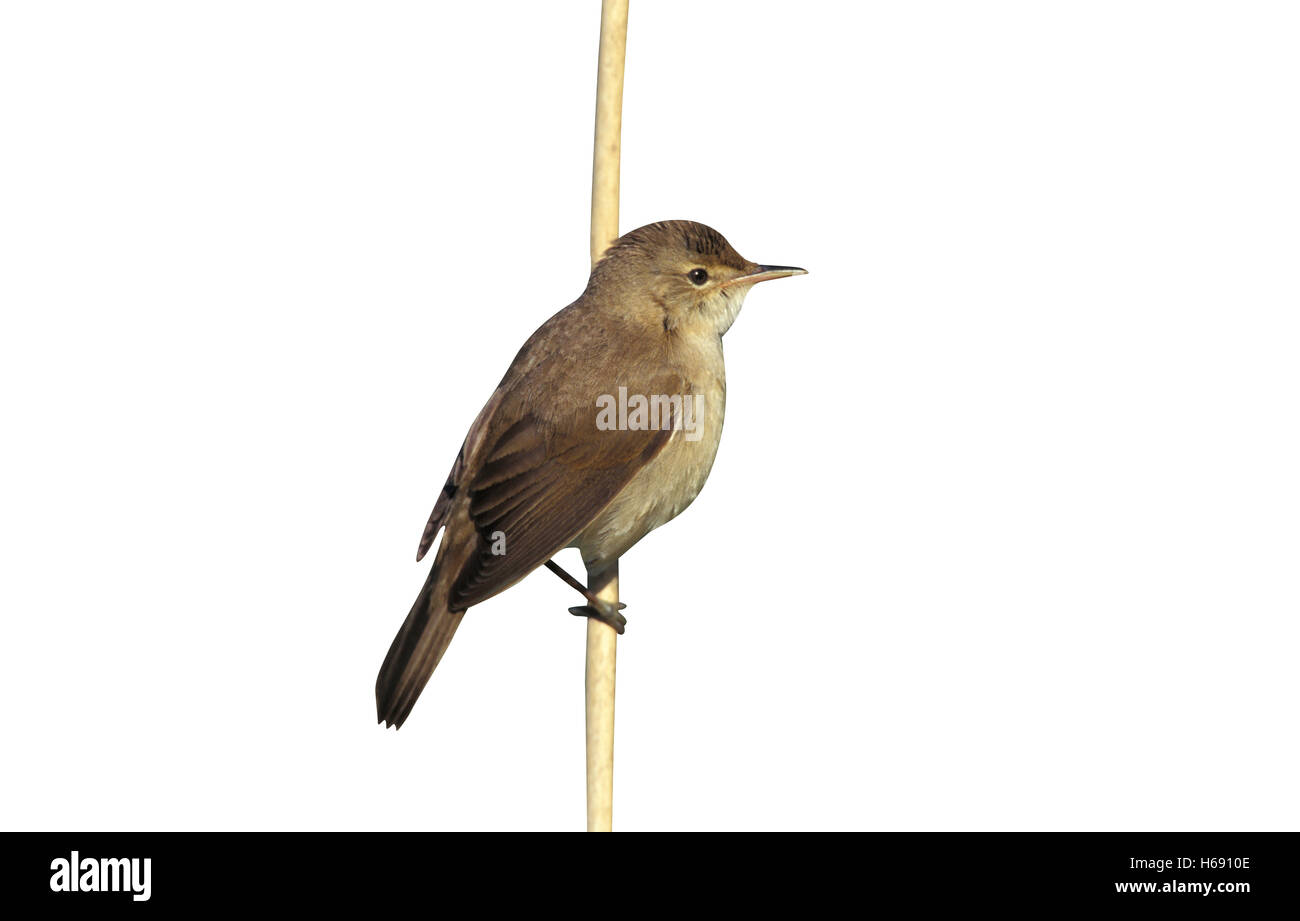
<point>765,273</point>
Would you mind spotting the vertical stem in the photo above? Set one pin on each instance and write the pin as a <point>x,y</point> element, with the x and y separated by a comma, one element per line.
<point>602,641</point>
<point>609,126</point>
<point>602,651</point>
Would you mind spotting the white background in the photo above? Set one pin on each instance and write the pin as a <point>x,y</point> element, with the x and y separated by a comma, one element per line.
<point>1003,532</point>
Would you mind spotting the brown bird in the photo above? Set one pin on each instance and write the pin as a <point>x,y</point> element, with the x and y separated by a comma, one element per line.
<point>604,427</point>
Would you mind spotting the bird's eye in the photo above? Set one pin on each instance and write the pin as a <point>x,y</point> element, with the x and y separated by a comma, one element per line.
<point>698,276</point>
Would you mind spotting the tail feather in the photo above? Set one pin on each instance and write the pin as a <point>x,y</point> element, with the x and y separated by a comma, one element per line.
<point>424,637</point>
<point>414,655</point>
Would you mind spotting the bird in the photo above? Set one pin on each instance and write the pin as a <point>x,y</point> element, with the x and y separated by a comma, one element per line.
<point>604,427</point>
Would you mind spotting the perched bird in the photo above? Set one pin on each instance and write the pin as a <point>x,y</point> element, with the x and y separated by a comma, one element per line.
<point>604,427</point>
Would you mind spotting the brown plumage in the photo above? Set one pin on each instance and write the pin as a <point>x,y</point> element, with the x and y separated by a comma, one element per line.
<point>537,468</point>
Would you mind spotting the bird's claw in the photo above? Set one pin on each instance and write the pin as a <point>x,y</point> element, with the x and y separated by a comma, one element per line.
<point>605,613</point>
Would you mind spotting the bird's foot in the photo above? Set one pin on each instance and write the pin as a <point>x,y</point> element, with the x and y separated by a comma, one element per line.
<point>604,612</point>
<point>595,607</point>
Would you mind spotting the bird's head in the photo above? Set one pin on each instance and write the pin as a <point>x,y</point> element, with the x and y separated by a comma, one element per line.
<point>685,270</point>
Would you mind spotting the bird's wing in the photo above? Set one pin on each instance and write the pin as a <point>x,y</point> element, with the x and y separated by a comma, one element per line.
<point>540,482</point>
<point>468,449</point>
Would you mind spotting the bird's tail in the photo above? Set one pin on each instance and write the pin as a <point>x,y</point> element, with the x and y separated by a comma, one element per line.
<point>419,645</point>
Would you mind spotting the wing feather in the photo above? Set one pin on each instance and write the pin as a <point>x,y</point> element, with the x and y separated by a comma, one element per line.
<point>540,483</point>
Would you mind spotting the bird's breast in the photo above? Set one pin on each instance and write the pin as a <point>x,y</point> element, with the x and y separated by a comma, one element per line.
<point>669,482</point>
